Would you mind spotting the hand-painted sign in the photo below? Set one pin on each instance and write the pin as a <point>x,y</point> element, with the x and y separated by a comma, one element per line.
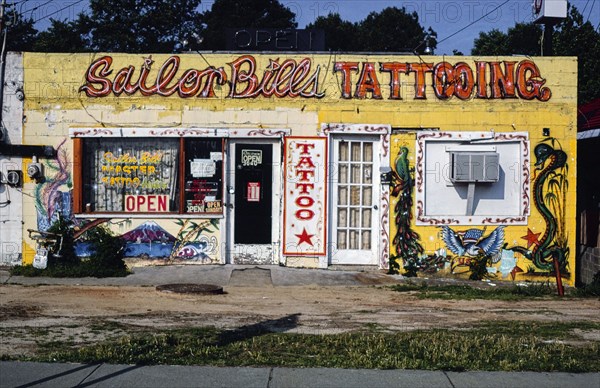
<point>147,203</point>
<point>300,78</point>
<point>127,170</point>
<point>305,196</point>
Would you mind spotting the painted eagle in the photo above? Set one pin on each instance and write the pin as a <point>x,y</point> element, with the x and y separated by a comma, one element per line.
<point>472,242</point>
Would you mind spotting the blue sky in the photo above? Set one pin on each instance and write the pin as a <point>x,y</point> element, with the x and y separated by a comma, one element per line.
<point>445,17</point>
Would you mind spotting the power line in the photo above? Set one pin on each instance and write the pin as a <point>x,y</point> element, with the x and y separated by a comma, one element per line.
<point>36,7</point>
<point>590,13</point>
<point>585,7</point>
<point>60,10</point>
<point>473,22</point>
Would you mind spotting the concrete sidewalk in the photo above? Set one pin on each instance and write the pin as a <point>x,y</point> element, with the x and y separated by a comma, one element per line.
<point>220,275</point>
<point>27,374</point>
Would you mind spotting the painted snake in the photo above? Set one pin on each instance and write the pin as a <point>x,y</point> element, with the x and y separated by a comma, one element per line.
<point>546,251</point>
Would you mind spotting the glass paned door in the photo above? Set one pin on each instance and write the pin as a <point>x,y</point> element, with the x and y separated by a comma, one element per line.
<point>355,195</point>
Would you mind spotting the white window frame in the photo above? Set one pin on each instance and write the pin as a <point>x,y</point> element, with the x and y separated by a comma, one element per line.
<point>480,139</point>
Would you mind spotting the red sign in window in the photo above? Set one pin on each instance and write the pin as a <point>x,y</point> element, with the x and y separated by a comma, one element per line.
<point>253,192</point>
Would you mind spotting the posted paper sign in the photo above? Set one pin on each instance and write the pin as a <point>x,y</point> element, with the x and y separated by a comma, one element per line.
<point>253,192</point>
<point>305,196</point>
<point>203,168</point>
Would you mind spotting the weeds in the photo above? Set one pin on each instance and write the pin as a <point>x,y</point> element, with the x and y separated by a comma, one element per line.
<point>591,289</point>
<point>517,292</point>
<point>478,267</point>
<point>507,346</point>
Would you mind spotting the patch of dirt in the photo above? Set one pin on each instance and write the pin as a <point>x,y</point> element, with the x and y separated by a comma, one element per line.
<point>86,314</point>
<point>14,310</point>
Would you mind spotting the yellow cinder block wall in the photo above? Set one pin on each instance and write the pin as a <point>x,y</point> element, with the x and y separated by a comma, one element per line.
<point>54,104</point>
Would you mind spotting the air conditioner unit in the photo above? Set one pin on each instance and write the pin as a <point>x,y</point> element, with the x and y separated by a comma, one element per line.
<point>474,167</point>
<point>549,11</point>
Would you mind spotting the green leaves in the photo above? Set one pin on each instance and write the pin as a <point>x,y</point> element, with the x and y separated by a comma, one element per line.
<point>572,37</point>
<point>390,30</point>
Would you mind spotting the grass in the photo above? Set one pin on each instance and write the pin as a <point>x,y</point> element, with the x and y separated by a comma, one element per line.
<point>502,346</point>
<point>511,293</point>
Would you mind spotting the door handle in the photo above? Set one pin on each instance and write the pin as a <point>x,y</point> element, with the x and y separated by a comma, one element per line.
<point>375,207</point>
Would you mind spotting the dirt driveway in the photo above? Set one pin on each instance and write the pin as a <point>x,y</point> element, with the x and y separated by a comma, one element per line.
<point>31,315</point>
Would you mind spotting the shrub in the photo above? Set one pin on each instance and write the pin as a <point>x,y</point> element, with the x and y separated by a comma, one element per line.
<point>65,255</point>
<point>107,259</point>
<point>478,267</point>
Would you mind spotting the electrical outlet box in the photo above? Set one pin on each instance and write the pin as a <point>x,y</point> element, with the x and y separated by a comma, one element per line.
<point>35,170</point>
<point>14,178</point>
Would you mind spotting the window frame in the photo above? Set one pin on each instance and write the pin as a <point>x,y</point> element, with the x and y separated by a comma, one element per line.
<point>479,138</point>
<point>79,137</point>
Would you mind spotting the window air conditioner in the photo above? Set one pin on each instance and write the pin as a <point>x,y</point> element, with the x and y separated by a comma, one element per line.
<point>474,167</point>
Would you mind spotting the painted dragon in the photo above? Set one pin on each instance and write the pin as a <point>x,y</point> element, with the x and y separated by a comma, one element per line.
<point>547,253</point>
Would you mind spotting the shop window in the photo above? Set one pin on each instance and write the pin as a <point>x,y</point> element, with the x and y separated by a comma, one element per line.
<point>203,176</point>
<point>150,175</point>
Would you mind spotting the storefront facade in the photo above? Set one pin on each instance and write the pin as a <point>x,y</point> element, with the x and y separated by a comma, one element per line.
<point>310,160</point>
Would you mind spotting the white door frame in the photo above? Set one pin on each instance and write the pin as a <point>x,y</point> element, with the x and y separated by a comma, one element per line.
<point>383,131</point>
<point>358,256</point>
<point>254,253</point>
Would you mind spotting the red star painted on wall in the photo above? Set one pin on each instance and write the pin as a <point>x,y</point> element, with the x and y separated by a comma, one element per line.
<point>531,238</point>
<point>305,237</point>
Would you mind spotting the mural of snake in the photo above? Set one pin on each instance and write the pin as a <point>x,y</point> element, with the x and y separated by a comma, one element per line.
<point>546,251</point>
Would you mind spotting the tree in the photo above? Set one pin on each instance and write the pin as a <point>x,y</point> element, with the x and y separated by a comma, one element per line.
<point>239,14</point>
<point>340,35</point>
<point>133,26</point>
<point>572,37</point>
<point>523,38</point>
<point>393,29</point>
<point>62,37</point>
<point>21,33</point>
<point>137,26</point>
<point>493,42</point>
